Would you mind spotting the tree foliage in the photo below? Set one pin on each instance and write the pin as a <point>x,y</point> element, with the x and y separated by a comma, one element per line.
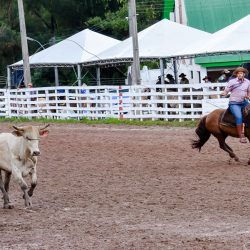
<point>48,20</point>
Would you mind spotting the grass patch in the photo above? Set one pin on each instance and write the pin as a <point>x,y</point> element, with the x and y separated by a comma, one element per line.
<point>111,121</point>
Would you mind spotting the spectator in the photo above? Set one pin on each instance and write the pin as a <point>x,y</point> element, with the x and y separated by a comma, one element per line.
<point>170,79</point>
<point>207,79</point>
<point>30,86</point>
<point>159,82</point>
<point>225,76</point>
<point>184,79</point>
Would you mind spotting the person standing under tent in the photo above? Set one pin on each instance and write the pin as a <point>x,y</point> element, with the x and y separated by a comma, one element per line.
<point>184,80</point>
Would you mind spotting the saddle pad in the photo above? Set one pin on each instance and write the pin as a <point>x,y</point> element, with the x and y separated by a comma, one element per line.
<point>227,119</point>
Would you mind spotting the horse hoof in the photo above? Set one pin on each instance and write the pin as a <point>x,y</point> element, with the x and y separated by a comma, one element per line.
<point>8,206</point>
<point>236,159</point>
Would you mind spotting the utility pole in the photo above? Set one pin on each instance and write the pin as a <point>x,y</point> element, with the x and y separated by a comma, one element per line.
<point>25,51</point>
<point>136,79</point>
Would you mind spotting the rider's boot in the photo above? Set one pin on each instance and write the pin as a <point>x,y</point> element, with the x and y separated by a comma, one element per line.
<point>241,133</point>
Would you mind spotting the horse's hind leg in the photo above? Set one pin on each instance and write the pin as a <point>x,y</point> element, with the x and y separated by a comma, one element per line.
<point>236,158</point>
<point>226,148</point>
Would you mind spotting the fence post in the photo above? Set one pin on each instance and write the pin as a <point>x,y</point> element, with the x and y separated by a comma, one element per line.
<point>120,103</point>
<point>7,103</point>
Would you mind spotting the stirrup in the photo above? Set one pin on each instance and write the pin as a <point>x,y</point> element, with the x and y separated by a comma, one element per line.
<point>243,140</point>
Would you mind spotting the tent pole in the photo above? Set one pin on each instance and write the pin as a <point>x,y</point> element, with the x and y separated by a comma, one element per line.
<point>175,70</point>
<point>162,70</point>
<point>98,76</point>
<point>136,78</point>
<point>56,76</point>
<point>24,44</point>
<point>9,77</point>
<point>79,76</point>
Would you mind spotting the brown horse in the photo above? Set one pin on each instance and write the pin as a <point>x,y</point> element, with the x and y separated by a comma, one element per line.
<point>212,124</point>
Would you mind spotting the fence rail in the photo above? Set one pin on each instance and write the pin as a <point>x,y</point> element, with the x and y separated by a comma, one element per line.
<point>188,101</point>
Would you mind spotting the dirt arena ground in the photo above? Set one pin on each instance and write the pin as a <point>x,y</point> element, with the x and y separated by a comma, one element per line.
<point>119,187</point>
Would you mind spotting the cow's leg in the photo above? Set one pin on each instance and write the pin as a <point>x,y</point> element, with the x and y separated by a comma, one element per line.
<point>33,182</point>
<point>5,194</point>
<point>18,176</point>
<point>7,181</point>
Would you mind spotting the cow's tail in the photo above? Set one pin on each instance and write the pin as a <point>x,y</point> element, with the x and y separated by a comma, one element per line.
<point>202,133</point>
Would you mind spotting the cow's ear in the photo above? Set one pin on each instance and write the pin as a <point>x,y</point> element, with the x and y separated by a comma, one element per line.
<point>17,133</point>
<point>43,133</point>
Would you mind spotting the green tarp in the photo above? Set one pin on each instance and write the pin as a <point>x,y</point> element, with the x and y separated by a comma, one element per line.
<point>213,15</point>
<point>168,7</point>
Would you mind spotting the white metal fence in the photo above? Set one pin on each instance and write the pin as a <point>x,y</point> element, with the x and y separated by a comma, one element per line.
<point>153,102</point>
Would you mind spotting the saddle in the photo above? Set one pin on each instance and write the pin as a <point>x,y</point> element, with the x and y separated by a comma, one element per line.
<point>227,118</point>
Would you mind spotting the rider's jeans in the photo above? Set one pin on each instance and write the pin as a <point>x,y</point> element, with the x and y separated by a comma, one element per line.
<point>236,109</point>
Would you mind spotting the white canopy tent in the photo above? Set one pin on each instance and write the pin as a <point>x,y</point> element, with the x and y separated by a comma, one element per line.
<point>72,51</point>
<point>231,39</point>
<point>160,40</point>
<point>88,48</point>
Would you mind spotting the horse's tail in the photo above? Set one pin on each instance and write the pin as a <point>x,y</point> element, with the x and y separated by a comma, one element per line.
<point>202,133</point>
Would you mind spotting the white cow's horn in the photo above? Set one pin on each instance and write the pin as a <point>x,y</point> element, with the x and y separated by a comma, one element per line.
<point>45,127</point>
<point>16,128</point>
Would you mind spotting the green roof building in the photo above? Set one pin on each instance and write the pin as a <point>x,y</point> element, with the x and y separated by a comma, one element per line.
<point>210,16</point>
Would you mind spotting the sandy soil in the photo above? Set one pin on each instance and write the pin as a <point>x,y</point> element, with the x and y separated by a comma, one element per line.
<point>117,187</point>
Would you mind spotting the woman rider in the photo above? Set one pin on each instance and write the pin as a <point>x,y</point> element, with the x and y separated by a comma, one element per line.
<point>240,92</point>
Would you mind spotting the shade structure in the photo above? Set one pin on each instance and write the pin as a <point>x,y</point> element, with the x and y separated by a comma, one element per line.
<point>231,39</point>
<point>73,50</point>
<point>161,40</point>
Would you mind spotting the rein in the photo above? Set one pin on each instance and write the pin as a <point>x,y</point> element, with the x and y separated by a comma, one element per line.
<point>235,86</point>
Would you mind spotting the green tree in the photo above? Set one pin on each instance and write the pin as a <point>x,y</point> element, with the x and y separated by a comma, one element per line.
<point>48,20</point>
<point>116,23</point>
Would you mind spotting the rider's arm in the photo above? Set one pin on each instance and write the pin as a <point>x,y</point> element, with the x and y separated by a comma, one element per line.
<point>227,89</point>
<point>224,93</point>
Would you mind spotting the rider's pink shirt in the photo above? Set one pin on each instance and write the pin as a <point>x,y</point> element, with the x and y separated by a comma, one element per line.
<point>239,89</point>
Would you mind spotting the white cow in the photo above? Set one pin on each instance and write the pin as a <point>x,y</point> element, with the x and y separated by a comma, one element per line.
<point>18,157</point>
